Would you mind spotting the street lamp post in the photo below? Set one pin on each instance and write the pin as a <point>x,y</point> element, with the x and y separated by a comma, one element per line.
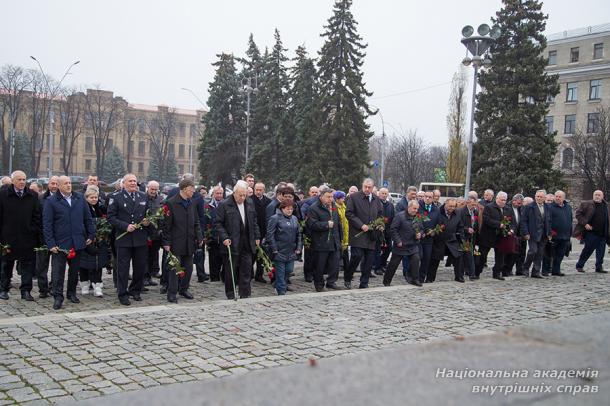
<point>382,146</point>
<point>249,86</point>
<point>478,46</point>
<point>51,93</point>
<point>190,133</point>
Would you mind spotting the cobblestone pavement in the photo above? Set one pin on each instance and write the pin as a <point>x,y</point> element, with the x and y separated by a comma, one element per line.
<point>99,347</point>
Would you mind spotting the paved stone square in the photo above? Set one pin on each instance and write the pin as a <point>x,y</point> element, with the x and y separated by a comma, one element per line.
<point>98,347</point>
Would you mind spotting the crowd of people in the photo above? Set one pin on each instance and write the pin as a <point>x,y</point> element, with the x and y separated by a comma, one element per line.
<point>249,236</point>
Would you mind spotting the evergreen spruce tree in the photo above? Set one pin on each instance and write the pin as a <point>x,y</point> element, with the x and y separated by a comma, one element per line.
<point>22,157</point>
<point>114,167</point>
<point>170,170</point>
<point>272,140</point>
<point>342,140</point>
<point>513,151</point>
<point>303,95</point>
<point>222,146</point>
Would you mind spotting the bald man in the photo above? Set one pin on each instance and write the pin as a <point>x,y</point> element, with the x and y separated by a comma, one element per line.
<point>593,226</point>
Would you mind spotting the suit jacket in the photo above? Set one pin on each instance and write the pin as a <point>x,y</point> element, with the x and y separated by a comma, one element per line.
<point>433,215</point>
<point>361,211</point>
<point>450,239</point>
<point>230,226</point>
<point>260,205</point>
<point>67,225</point>
<point>181,230</point>
<point>20,223</point>
<point>533,224</point>
<point>584,214</point>
<point>403,233</point>
<point>490,225</point>
<point>123,211</point>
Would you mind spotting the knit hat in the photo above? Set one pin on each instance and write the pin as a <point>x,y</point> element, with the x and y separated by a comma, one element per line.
<point>339,195</point>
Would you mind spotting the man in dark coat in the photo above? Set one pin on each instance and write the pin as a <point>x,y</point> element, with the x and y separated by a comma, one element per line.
<point>384,247</point>
<point>309,260</point>
<point>181,236</point>
<point>238,231</point>
<point>362,209</point>
<point>405,238</point>
<point>211,236</point>
<point>516,259</point>
<point>448,241</point>
<point>561,230</point>
<point>20,229</point>
<point>536,230</point>
<point>67,225</point>
<point>470,220</point>
<point>593,226</point>
<point>432,212</point>
<point>325,229</point>
<point>126,212</point>
<point>260,205</point>
<point>154,234</point>
<point>491,229</point>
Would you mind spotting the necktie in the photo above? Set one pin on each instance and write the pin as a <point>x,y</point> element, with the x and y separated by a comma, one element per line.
<point>20,193</point>
<point>133,196</point>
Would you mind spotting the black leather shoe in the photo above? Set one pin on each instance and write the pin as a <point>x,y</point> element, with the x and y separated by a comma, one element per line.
<point>43,295</point>
<point>150,282</point>
<point>416,283</point>
<point>309,279</point>
<point>472,278</point>
<point>124,300</point>
<point>363,286</point>
<point>347,284</point>
<point>230,296</point>
<point>172,299</point>
<point>334,287</point>
<point>500,278</point>
<point>57,303</point>
<point>461,280</point>
<point>600,271</point>
<point>27,296</point>
<point>559,274</point>
<point>260,279</point>
<point>136,297</point>
<point>545,274</point>
<point>372,275</point>
<point>73,299</point>
<point>4,295</point>
<point>319,288</point>
<point>163,289</point>
<point>537,276</point>
<point>187,295</point>
<point>378,272</point>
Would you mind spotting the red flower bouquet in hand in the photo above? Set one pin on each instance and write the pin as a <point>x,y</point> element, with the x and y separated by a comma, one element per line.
<point>71,254</point>
<point>506,231</point>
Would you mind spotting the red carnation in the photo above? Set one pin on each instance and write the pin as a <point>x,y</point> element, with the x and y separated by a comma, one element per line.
<point>166,211</point>
<point>386,220</point>
<point>149,243</point>
<point>71,253</point>
<point>425,213</point>
<point>553,233</point>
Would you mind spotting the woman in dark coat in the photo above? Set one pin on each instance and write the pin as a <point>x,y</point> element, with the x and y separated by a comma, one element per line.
<point>405,239</point>
<point>284,239</point>
<point>96,255</point>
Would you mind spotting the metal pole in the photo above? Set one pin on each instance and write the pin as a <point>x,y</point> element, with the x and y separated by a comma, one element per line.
<point>470,136</point>
<point>51,141</point>
<point>249,90</point>
<point>11,148</point>
<point>382,149</point>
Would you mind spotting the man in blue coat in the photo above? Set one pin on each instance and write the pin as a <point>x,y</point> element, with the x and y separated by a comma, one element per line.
<point>536,230</point>
<point>561,230</point>
<point>67,225</point>
<point>126,210</point>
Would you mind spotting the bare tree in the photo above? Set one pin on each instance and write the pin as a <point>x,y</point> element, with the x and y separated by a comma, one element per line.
<point>103,114</point>
<point>457,154</point>
<point>591,151</point>
<point>162,133</point>
<point>13,84</point>
<point>71,113</point>
<point>407,160</point>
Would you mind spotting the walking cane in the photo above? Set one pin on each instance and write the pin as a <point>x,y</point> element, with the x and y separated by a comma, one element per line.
<point>232,275</point>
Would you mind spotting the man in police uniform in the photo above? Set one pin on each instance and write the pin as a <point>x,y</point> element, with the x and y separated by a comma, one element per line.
<point>126,209</point>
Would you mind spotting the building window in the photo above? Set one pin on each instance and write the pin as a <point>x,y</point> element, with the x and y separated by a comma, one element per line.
<point>62,163</point>
<point>552,57</point>
<point>570,125</point>
<point>181,151</point>
<point>193,130</point>
<point>88,144</point>
<point>141,126</point>
<point>182,129</point>
<point>550,125</point>
<point>595,89</point>
<point>593,123</point>
<point>574,52</point>
<point>572,92</point>
<point>181,169</point>
<point>550,98</point>
<point>598,51</point>
<point>141,148</point>
<point>129,166</point>
<point>130,147</point>
<point>567,159</point>
<point>87,164</point>
<point>141,167</point>
<point>170,150</point>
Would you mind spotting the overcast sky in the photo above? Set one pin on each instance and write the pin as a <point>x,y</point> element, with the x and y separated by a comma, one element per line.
<point>147,50</point>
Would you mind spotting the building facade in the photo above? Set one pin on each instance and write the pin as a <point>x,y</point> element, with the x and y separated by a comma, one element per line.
<point>83,122</point>
<point>581,59</point>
